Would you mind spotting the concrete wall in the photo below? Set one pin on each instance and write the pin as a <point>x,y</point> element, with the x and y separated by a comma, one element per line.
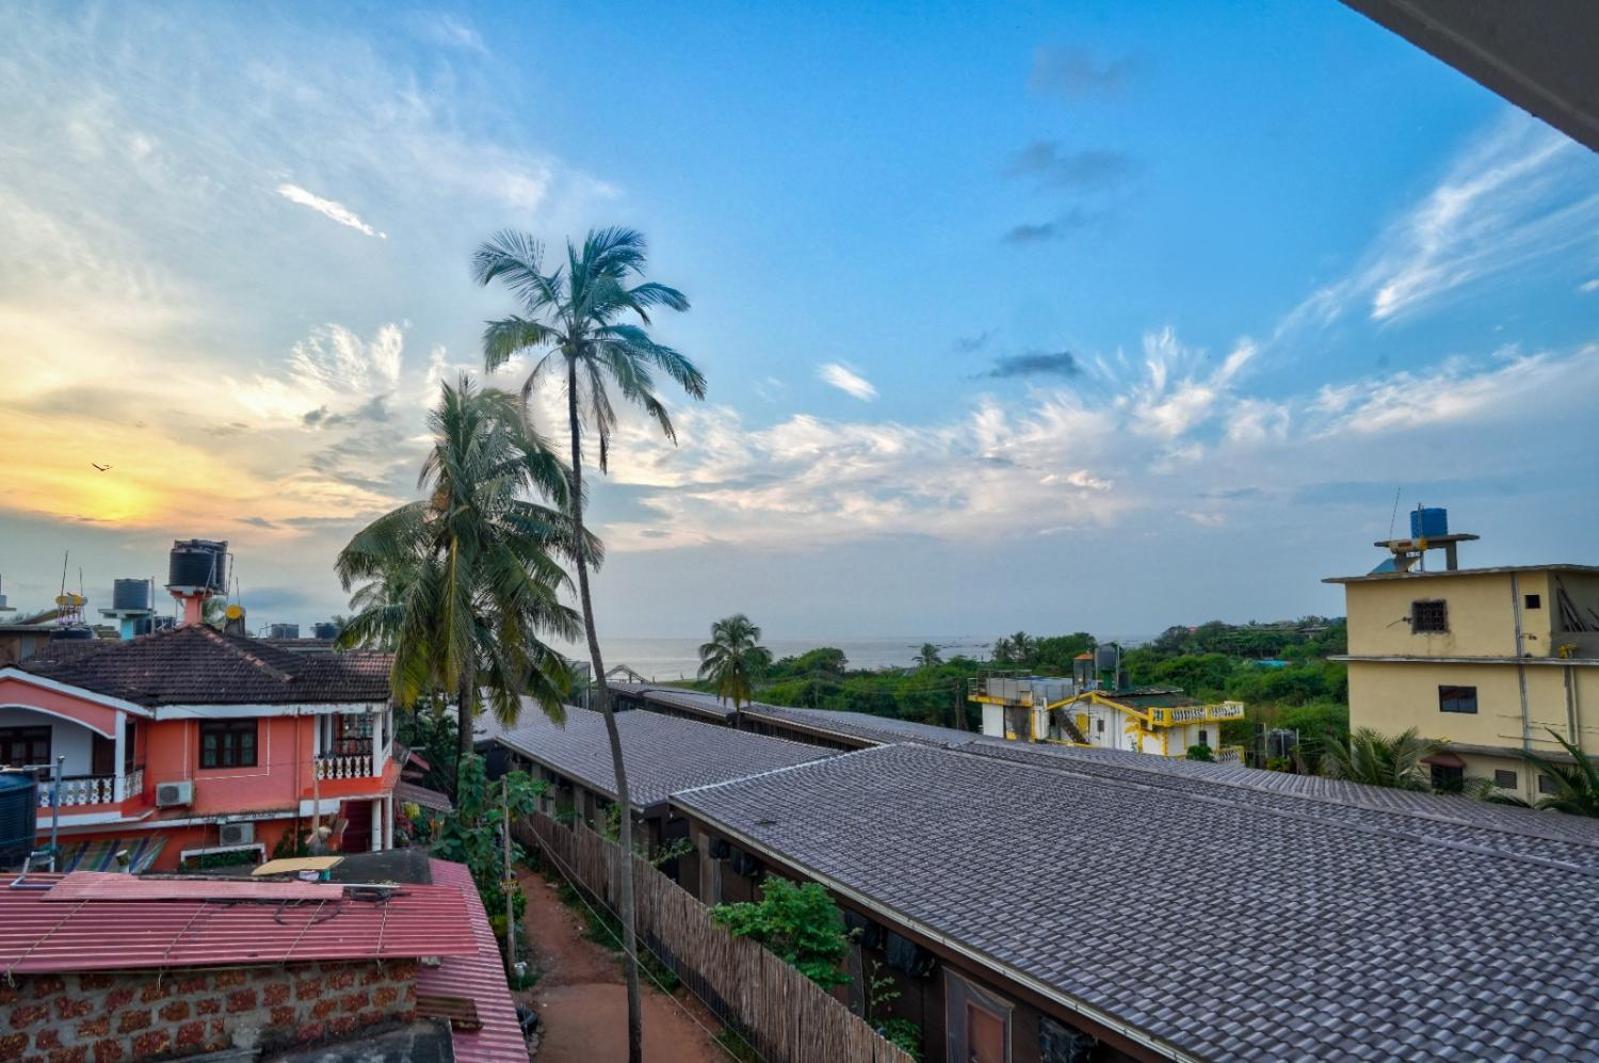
<point>187,1011</point>
<point>72,739</point>
<point>1482,616</point>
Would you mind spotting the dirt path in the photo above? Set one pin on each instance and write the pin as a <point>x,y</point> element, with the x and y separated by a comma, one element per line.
<point>583,1001</point>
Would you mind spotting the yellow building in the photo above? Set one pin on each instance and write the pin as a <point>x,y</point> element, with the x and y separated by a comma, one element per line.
<point>1488,660</point>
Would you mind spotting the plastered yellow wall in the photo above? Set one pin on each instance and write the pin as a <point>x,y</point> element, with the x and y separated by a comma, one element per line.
<point>1392,696</point>
<point>1481,616</point>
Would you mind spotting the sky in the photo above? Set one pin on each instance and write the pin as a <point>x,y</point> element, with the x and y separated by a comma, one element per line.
<point>1059,317</point>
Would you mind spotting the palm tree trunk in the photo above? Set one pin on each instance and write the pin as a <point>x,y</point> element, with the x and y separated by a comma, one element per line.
<point>635,1016</point>
<point>466,697</point>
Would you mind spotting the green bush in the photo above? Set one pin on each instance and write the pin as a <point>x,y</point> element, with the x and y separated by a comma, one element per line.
<point>800,923</point>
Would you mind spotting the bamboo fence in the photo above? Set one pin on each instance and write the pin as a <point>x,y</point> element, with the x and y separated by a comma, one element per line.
<point>784,1016</point>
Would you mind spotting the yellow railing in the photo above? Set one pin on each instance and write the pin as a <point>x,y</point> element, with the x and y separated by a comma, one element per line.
<point>1173,716</point>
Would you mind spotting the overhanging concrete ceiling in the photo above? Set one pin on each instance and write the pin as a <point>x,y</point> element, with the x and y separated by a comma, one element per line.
<point>1541,55</point>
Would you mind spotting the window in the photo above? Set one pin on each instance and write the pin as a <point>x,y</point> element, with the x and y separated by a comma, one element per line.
<point>23,746</point>
<point>352,734</point>
<point>227,743</point>
<point>1101,724</point>
<point>1457,699</point>
<point>1204,737</point>
<point>1532,601</point>
<point>1546,785</point>
<point>1429,617</point>
<point>1447,779</point>
<point>1505,779</point>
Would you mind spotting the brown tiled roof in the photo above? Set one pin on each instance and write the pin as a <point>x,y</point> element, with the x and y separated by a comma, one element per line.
<point>199,665</point>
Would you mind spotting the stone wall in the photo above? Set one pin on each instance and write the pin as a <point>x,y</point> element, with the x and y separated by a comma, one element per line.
<point>164,1015</point>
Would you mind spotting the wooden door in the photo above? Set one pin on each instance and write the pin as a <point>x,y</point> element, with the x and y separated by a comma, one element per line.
<point>985,1035</point>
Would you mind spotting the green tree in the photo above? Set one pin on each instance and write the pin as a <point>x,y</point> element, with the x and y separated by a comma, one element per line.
<point>1576,784</point>
<point>800,923</point>
<point>928,656</point>
<point>734,659</point>
<point>1371,758</point>
<point>576,318</point>
<point>1200,752</point>
<point>464,583</point>
<point>472,833</point>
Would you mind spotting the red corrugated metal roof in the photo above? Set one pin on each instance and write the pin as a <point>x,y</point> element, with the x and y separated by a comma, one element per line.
<point>111,886</point>
<point>479,977</point>
<point>117,934</point>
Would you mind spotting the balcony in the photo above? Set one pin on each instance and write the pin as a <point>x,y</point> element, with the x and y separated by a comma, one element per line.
<point>78,790</point>
<point>344,766</point>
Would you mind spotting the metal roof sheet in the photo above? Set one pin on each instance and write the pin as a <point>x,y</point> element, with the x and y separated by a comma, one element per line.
<point>110,886</point>
<point>477,976</point>
<point>86,935</point>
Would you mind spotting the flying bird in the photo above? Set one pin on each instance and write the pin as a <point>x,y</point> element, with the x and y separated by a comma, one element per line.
<point>101,468</point>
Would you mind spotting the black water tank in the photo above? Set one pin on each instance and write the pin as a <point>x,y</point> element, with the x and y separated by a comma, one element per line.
<point>130,594</point>
<point>74,633</point>
<point>325,631</point>
<point>284,631</point>
<point>19,815</point>
<point>199,563</point>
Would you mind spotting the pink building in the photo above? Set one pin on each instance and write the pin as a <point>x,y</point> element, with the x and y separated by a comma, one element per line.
<point>190,741</point>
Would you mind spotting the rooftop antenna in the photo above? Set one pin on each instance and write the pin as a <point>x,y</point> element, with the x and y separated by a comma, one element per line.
<point>1394,518</point>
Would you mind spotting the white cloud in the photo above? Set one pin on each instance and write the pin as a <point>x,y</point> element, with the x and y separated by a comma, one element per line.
<point>328,209</point>
<point>1589,286</point>
<point>1516,197</point>
<point>846,380</point>
<point>449,31</point>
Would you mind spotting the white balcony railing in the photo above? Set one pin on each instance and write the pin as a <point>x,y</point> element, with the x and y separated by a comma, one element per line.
<point>344,766</point>
<point>92,789</point>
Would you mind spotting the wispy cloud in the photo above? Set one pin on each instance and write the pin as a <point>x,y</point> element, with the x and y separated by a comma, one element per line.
<point>1050,164</point>
<point>449,30</point>
<point>1520,196</point>
<point>1074,220</point>
<point>328,208</point>
<point>846,380</point>
<point>1035,363</point>
<point>1076,73</point>
<point>1589,286</point>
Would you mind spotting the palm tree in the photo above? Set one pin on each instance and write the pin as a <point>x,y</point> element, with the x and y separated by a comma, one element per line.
<point>1576,785</point>
<point>576,318</point>
<point>462,584</point>
<point>1023,646</point>
<point>928,656</point>
<point>734,659</point>
<point>1004,650</point>
<point>1369,757</point>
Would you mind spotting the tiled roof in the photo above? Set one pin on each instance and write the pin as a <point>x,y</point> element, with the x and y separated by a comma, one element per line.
<point>663,754</point>
<point>1218,925</point>
<point>199,665</point>
<point>879,730</point>
<point>186,928</point>
<point>479,977</point>
<point>1311,795</point>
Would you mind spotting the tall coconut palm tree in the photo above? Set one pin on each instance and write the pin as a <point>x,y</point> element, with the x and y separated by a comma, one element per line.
<point>463,584</point>
<point>734,659</point>
<point>1371,758</point>
<point>587,318</point>
<point>1576,785</point>
<point>928,656</point>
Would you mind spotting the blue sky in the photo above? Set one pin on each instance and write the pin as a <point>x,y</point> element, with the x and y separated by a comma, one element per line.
<point>1056,316</point>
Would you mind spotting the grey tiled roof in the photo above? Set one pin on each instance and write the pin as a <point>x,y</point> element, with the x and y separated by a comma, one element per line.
<point>1220,926</point>
<point>880,730</point>
<point>1440,814</point>
<point>662,754</point>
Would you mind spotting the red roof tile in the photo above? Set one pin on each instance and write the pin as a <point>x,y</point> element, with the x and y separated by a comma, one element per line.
<point>479,977</point>
<point>123,933</point>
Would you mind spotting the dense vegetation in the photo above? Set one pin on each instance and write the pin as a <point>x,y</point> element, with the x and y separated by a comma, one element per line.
<point>1279,670</point>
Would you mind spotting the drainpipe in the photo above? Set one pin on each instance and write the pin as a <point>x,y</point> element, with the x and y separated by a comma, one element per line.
<point>1521,669</point>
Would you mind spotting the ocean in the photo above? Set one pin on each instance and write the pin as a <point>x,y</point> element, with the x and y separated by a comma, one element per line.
<point>668,659</point>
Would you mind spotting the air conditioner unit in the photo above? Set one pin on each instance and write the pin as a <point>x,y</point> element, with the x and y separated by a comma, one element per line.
<point>238,833</point>
<point>173,794</point>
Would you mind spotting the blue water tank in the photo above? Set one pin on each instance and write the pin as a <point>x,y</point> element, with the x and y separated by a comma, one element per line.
<point>1428,523</point>
<point>19,815</point>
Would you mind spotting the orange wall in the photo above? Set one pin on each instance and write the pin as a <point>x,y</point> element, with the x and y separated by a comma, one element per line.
<point>19,692</point>
<point>283,749</point>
